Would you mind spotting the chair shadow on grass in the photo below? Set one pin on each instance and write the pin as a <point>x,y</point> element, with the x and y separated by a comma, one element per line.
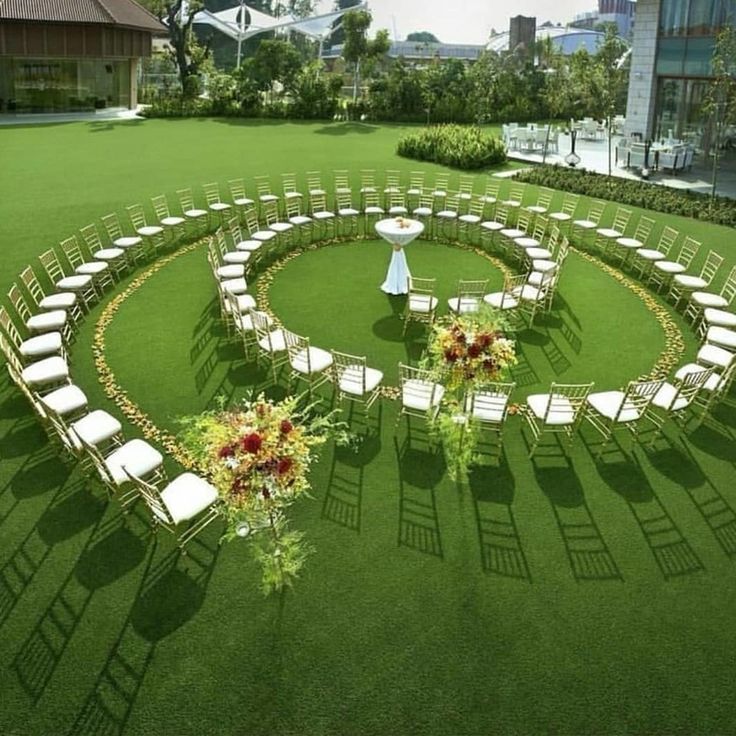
<point>672,552</point>
<point>420,470</point>
<point>501,550</point>
<point>586,548</point>
<point>346,128</point>
<point>169,595</point>
<point>678,464</point>
<point>112,550</point>
<point>522,373</point>
<point>343,500</point>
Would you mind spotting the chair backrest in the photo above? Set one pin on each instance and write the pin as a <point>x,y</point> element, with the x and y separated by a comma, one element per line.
<point>263,328</point>
<point>421,287</point>
<point>12,358</point>
<point>471,288</point>
<point>51,265</point>
<point>621,219</point>
<point>344,200</point>
<point>33,287</point>
<point>540,228</point>
<point>8,328</point>
<point>91,237</point>
<point>298,351</point>
<point>341,179</point>
<point>371,199</point>
<point>688,388</point>
<point>595,211</point>
<point>477,207</point>
<point>728,290</point>
<point>288,184</point>
<point>293,206</point>
<point>491,190</point>
<point>422,382</point>
<point>237,188</point>
<point>416,180</point>
<point>392,179</point>
<point>563,252</point>
<point>72,251</point>
<point>353,365</point>
<point>710,268</point>
<point>314,183</point>
<point>136,215</point>
<point>544,198</point>
<point>563,398</point>
<point>637,397</point>
<point>491,397</point>
<point>96,458</point>
<point>512,285</point>
<point>426,200</point>
<point>441,182</point>
<point>263,185</point>
<point>501,215</point>
<point>270,211</point>
<point>160,206</point>
<point>643,229</point>
<point>465,185</point>
<point>570,204</point>
<point>667,238</point>
<point>688,251</point>
<point>211,192</point>
<point>368,179</point>
<point>555,235</point>
<point>151,496</point>
<point>318,202</point>
<point>251,221</point>
<point>523,221</point>
<point>452,203</point>
<point>516,193</point>
<point>396,199</point>
<point>111,224</point>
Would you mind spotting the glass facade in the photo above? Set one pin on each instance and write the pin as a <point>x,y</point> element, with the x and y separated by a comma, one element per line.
<point>63,85</point>
<point>686,40</point>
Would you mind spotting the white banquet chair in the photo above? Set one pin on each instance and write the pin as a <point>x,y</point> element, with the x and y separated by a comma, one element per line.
<point>354,380</point>
<point>421,395</point>
<point>309,364</point>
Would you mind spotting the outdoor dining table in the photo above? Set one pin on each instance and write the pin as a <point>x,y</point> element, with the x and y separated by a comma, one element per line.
<point>398,231</point>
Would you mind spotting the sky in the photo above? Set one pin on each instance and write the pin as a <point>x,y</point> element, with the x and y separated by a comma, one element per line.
<point>464,21</point>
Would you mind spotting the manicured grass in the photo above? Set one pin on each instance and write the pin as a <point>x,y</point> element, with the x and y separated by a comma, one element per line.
<point>554,596</point>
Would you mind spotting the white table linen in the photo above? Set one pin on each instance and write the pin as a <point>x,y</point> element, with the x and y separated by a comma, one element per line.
<point>399,232</point>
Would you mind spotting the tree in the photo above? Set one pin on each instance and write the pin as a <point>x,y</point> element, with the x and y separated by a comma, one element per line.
<point>720,102</point>
<point>338,34</point>
<point>422,37</point>
<point>275,61</point>
<point>187,54</point>
<point>358,47</point>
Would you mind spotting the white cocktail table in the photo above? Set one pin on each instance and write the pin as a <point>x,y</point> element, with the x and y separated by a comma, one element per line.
<point>399,232</point>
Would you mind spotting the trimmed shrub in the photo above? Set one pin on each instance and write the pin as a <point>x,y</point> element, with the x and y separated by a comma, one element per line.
<point>720,210</point>
<point>464,147</point>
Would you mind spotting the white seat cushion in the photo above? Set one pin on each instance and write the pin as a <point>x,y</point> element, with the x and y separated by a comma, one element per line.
<point>172,221</point>
<point>188,495</point>
<point>74,283</point>
<point>62,300</point>
<point>706,299</point>
<point>245,303</point>
<point>463,305</point>
<point>538,254</point>
<point>351,380</point>
<point>311,360</point>
<point>492,225</point>
<point>686,281</point>
<point>241,202</point>
<point>722,337</point>
<point>538,278</point>
<point>629,243</point>
<point>560,216</point>
<point>375,210</point>
<point>232,271</point>
<point>501,300</point>
<point>543,265</point>
<point>585,224</point>
<point>529,293</point>
<point>194,213</point>
<point>249,245</point>
<point>48,370</point>
<point>94,428</point>
<point>719,317</point>
<point>46,344</point>
<point>323,215</point>
<point>714,355</point>
<point>417,394</point>
<point>447,214</point>
<point>488,199</point>
<point>398,209</point>
<point>234,286</point>
<point>127,241</point>
<point>300,220</point>
<point>537,209</point>
<point>422,303</point>
<point>264,235</point>
<point>422,211</point>
<point>137,456</point>
<point>608,403</point>
<point>292,195</point>
<point>149,230</point>
<point>217,207</point>
<point>667,398</point>
<point>650,254</point>
<point>525,242</point>
<point>281,227</point>
<point>669,266</point>
<point>513,233</point>
<point>489,407</point>
<point>47,321</point>
<point>608,232</point>
<point>92,268</point>
<point>65,400</point>
<point>562,412</point>
<point>109,254</point>
<point>277,342</point>
<point>237,256</point>
<point>470,219</point>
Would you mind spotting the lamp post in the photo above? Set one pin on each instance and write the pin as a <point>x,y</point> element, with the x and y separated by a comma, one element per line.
<point>572,159</point>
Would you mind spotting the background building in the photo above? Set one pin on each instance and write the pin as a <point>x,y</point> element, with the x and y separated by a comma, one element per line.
<point>671,67</point>
<point>620,12</point>
<point>68,55</point>
<point>522,32</point>
<point>566,39</point>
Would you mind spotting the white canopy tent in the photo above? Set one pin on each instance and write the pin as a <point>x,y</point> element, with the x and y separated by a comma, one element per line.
<point>243,22</point>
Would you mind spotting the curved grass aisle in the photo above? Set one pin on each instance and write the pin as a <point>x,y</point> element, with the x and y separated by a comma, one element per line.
<point>541,597</point>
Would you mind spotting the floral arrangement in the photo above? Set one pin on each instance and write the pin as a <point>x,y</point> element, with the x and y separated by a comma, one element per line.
<point>464,352</point>
<point>470,349</point>
<point>258,457</point>
<point>403,223</point>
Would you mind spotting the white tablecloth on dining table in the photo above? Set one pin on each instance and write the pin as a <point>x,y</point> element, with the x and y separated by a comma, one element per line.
<point>399,232</point>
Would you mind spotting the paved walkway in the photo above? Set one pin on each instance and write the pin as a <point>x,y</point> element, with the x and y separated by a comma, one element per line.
<point>594,157</point>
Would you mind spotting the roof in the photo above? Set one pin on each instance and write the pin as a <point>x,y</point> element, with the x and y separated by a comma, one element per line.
<point>126,13</point>
<point>415,50</point>
<point>567,38</point>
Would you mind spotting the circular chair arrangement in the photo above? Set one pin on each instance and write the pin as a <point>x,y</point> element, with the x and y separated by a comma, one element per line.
<point>246,231</point>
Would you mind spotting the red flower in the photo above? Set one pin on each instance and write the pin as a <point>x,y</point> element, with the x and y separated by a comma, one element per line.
<point>484,339</point>
<point>474,350</point>
<point>489,365</point>
<point>252,443</point>
<point>284,466</point>
<point>450,356</point>
<point>286,426</point>
<point>237,487</point>
<point>265,493</point>
<point>226,451</point>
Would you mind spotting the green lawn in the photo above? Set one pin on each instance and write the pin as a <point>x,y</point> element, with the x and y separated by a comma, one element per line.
<point>555,596</point>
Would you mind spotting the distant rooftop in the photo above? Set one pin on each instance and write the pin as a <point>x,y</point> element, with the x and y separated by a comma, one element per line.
<point>419,50</point>
<point>124,13</point>
<point>567,38</point>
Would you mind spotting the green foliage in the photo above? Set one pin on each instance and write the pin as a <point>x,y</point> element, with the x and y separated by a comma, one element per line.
<point>314,94</point>
<point>464,147</point>
<point>274,61</point>
<point>422,37</point>
<point>719,210</point>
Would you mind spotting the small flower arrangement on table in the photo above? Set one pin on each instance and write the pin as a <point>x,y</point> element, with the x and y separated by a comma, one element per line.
<point>403,223</point>
<point>258,456</point>
<point>466,352</point>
